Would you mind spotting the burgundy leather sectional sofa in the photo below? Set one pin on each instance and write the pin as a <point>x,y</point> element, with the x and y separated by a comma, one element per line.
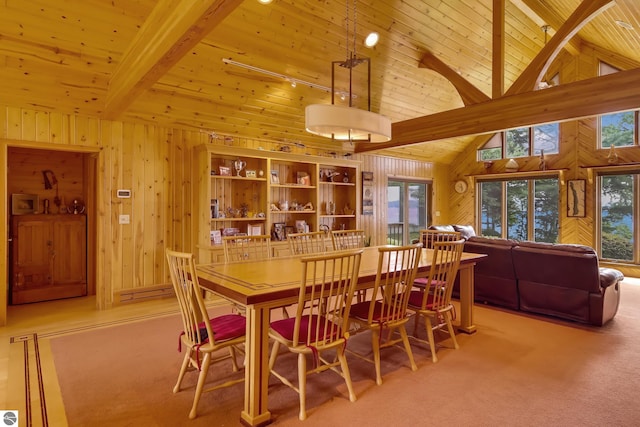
<point>561,280</point>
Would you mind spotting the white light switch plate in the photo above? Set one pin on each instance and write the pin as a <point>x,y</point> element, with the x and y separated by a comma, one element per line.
<point>124,219</point>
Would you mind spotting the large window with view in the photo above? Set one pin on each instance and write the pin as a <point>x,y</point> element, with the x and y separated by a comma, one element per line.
<point>522,209</point>
<point>619,200</point>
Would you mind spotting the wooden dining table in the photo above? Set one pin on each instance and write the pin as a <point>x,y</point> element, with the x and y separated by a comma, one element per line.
<point>262,285</point>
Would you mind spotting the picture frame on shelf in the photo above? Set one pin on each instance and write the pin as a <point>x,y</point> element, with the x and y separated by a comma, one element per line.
<point>216,237</point>
<point>254,230</point>
<point>225,171</point>
<point>303,178</point>
<point>22,204</point>
<point>576,205</point>
<point>367,193</point>
<point>278,231</point>
<point>275,178</point>
<point>249,173</point>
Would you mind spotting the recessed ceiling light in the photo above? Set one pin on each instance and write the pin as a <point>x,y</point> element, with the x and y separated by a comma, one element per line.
<point>265,1</point>
<point>372,39</point>
<point>624,24</point>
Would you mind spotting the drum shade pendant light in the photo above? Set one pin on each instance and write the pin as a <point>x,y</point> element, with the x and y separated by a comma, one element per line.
<point>348,123</point>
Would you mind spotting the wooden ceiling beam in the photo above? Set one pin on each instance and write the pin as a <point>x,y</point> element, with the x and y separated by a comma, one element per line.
<point>535,71</point>
<point>169,33</point>
<point>468,92</point>
<point>585,98</point>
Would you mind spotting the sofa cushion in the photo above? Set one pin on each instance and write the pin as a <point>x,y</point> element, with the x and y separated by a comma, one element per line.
<point>466,231</point>
<point>610,276</point>
<point>442,227</point>
<point>563,247</point>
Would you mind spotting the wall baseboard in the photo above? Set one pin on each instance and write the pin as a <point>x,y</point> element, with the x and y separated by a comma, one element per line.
<point>127,296</point>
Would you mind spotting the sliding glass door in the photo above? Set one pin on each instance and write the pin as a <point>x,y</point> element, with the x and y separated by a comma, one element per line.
<point>407,210</point>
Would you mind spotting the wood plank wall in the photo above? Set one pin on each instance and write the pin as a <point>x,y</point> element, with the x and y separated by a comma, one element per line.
<point>155,164</point>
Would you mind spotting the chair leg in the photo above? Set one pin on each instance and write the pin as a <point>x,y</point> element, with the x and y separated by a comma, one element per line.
<point>204,369</point>
<point>407,347</point>
<point>416,320</point>
<point>452,332</point>
<point>234,362</point>
<point>432,342</point>
<point>183,370</point>
<point>302,385</point>
<point>346,374</point>
<point>375,344</point>
<point>274,354</point>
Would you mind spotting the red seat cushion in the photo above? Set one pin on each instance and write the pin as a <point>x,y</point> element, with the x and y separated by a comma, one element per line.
<point>285,328</point>
<point>360,311</point>
<point>226,327</point>
<point>415,299</point>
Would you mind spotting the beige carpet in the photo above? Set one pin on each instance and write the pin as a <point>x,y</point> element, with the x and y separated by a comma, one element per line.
<point>516,370</point>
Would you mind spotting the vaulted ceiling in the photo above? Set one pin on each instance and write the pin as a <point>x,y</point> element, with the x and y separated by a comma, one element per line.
<point>162,62</point>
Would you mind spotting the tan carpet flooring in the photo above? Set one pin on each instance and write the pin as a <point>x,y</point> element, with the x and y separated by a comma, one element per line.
<point>517,370</point>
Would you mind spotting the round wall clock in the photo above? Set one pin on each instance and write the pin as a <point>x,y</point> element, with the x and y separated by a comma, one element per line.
<point>461,186</point>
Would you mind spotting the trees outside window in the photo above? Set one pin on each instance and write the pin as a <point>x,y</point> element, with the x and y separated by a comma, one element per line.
<point>524,209</point>
<point>618,196</point>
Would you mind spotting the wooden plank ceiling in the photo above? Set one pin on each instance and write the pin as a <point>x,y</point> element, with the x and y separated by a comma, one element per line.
<point>162,61</point>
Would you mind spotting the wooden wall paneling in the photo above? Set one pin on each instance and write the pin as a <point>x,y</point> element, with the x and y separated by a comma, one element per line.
<point>163,220</point>
<point>28,125</point>
<point>14,123</point>
<point>121,255</point>
<point>4,229</point>
<point>58,128</point>
<point>141,213</point>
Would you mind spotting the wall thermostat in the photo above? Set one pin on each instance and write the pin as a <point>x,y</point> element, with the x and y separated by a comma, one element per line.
<point>124,194</point>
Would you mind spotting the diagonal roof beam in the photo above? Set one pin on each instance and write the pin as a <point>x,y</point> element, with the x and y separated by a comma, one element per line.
<point>571,101</point>
<point>170,32</point>
<point>544,16</point>
<point>468,92</point>
<point>534,73</point>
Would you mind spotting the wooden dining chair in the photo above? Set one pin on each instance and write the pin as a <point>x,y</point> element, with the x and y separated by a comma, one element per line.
<point>202,336</point>
<point>347,239</point>
<point>433,302</point>
<point>326,291</point>
<point>428,237</point>
<point>313,242</point>
<point>246,248</point>
<point>386,312</point>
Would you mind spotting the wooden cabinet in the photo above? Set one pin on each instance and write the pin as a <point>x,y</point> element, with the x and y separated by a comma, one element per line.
<point>48,257</point>
<point>275,193</point>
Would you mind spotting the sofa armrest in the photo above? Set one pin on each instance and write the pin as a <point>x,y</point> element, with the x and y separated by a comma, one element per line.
<point>610,276</point>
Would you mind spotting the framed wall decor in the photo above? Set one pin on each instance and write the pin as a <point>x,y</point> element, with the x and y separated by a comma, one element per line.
<point>24,203</point>
<point>367,193</point>
<point>275,178</point>
<point>576,206</point>
<point>225,171</point>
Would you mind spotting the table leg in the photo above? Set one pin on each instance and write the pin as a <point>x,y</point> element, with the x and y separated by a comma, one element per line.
<point>466,298</point>
<point>255,412</point>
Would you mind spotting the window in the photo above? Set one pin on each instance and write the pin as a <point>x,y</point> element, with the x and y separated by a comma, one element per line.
<point>619,200</point>
<point>617,129</point>
<point>407,210</point>
<point>522,209</point>
<point>522,142</point>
